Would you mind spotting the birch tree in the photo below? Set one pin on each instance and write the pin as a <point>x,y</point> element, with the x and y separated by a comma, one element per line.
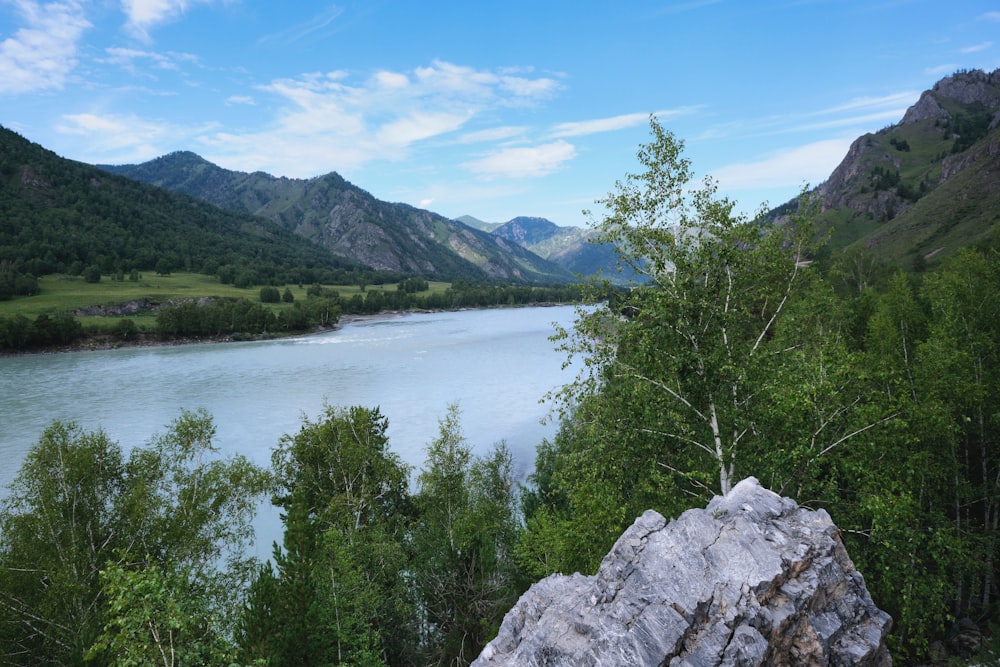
<point>692,331</point>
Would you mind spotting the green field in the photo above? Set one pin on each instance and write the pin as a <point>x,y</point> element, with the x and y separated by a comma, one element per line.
<point>61,294</point>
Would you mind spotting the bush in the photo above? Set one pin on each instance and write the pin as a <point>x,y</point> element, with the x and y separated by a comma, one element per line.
<point>269,295</point>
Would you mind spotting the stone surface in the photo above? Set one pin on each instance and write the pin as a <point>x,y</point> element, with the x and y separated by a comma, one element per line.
<point>753,579</point>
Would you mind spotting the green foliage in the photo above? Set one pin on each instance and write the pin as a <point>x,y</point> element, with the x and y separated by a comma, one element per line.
<point>693,340</point>
<point>57,530</point>
<point>115,559</point>
<point>19,333</point>
<point>269,295</point>
<point>463,567</point>
<point>158,617</point>
<point>338,595</point>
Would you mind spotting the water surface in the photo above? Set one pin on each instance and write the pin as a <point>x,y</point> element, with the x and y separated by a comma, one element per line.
<point>495,364</point>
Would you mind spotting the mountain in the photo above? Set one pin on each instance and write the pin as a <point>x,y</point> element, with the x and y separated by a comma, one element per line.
<point>476,223</point>
<point>351,223</point>
<point>917,191</point>
<point>572,248</point>
<point>60,215</point>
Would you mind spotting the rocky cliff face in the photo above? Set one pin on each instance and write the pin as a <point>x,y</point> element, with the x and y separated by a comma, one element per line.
<point>941,112</point>
<point>753,579</point>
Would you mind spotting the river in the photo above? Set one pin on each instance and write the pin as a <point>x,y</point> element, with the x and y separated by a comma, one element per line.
<point>495,364</point>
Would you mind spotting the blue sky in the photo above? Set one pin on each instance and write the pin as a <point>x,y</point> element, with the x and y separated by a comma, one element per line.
<point>493,109</point>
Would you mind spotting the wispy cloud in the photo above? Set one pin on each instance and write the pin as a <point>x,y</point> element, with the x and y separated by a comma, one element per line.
<point>314,27</point>
<point>502,133</point>
<point>127,58</point>
<point>523,162</point>
<point>334,121</point>
<point>859,112</point>
<point>122,138</point>
<point>142,15</point>
<point>976,48</point>
<point>613,123</point>
<point>810,163</point>
<point>41,54</point>
<point>939,70</point>
<point>990,16</point>
<point>246,100</point>
<point>866,104</point>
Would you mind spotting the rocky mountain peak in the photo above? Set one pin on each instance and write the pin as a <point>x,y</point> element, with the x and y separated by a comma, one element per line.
<point>752,579</point>
<point>965,88</point>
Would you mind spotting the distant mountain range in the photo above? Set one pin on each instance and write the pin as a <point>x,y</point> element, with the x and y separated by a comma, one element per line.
<point>351,223</point>
<point>572,248</point>
<point>912,193</point>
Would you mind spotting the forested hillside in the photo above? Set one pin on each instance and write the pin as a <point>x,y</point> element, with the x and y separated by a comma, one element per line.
<point>352,223</point>
<point>68,217</point>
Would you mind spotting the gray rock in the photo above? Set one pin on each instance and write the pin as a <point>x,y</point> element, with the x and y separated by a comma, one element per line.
<point>753,579</point>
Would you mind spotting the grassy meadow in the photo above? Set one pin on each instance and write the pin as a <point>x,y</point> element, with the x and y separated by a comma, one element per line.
<point>63,293</point>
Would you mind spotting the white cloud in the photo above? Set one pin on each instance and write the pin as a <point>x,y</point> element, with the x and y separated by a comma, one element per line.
<point>976,48</point>
<point>892,101</point>
<point>523,162</point>
<point>580,128</point>
<point>392,79</point>
<point>990,16</point>
<point>314,27</point>
<point>119,138</point>
<point>418,126</point>
<point>613,123</point>
<point>127,57</point>
<point>493,134</point>
<point>41,54</point>
<point>865,113</point>
<point>333,121</point>
<point>939,70</point>
<point>141,15</point>
<point>811,163</point>
<point>241,99</point>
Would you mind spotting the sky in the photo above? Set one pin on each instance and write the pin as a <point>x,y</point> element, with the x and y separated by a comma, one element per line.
<point>489,109</point>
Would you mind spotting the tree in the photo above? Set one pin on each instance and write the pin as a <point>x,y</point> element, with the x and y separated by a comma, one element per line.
<point>463,564</point>
<point>58,527</point>
<point>92,274</point>
<point>694,332</point>
<point>91,542</point>
<point>339,590</point>
<point>719,363</point>
<point>269,295</point>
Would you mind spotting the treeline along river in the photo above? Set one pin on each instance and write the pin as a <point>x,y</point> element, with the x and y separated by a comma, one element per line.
<point>495,364</point>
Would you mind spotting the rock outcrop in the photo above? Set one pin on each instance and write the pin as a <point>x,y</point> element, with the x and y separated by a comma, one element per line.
<point>753,579</point>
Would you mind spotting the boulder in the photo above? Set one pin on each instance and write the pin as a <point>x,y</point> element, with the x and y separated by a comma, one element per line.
<point>753,579</point>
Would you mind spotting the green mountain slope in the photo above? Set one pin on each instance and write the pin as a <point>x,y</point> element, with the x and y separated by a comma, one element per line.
<point>350,222</point>
<point>59,215</point>
<point>917,191</point>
